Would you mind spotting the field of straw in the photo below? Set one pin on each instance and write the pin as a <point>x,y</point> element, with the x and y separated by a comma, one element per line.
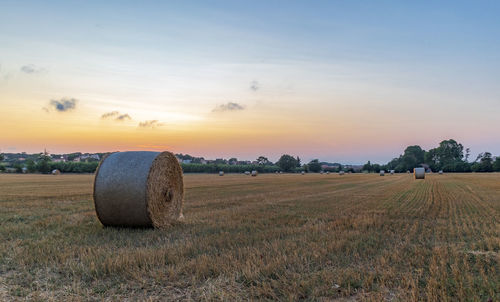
<point>271,237</point>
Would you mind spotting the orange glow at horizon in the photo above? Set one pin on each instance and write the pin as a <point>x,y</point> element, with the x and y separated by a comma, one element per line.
<point>244,134</point>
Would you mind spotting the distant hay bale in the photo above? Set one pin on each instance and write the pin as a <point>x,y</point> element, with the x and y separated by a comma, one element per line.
<point>139,189</point>
<point>302,172</point>
<point>341,172</point>
<point>55,172</point>
<point>321,172</point>
<point>327,172</point>
<point>408,171</point>
<point>221,173</point>
<point>247,172</point>
<point>440,172</point>
<point>392,172</point>
<point>419,173</point>
<point>254,173</point>
<point>382,172</point>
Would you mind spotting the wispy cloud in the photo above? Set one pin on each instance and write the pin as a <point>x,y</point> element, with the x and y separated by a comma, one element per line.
<point>110,114</point>
<point>63,105</point>
<point>123,117</point>
<point>116,115</point>
<point>254,86</point>
<point>31,68</point>
<point>150,124</point>
<point>230,106</point>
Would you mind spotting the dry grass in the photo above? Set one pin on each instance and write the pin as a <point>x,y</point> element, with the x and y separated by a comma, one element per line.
<point>272,237</point>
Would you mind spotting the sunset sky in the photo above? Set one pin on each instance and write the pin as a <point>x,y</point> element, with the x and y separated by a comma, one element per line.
<point>345,81</point>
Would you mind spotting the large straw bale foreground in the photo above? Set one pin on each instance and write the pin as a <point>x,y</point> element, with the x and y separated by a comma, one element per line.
<point>274,237</point>
<point>139,189</point>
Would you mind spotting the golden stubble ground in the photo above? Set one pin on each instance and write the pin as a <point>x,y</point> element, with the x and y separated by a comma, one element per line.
<point>271,237</point>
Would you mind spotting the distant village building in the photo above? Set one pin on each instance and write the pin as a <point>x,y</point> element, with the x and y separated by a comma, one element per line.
<point>87,157</point>
<point>327,167</point>
<point>60,159</point>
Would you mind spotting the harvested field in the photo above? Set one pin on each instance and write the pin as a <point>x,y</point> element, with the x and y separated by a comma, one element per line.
<point>275,237</point>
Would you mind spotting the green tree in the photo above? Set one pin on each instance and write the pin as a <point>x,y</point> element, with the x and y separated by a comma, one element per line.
<point>412,157</point>
<point>449,156</point>
<point>432,159</point>
<point>394,163</point>
<point>287,163</point>
<point>43,164</point>
<point>314,166</point>
<point>262,160</point>
<point>449,152</point>
<point>1,157</point>
<point>485,163</point>
<point>368,167</point>
<point>18,167</point>
<point>30,165</point>
<point>496,164</point>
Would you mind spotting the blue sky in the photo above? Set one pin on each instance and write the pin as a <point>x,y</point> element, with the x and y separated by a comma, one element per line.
<point>339,76</point>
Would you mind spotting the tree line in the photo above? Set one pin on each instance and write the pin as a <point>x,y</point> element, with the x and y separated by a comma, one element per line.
<point>286,163</point>
<point>449,156</point>
<point>44,164</point>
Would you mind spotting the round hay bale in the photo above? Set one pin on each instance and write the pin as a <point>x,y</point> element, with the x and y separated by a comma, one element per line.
<point>302,172</point>
<point>247,172</point>
<point>221,173</point>
<point>254,173</point>
<point>321,172</point>
<point>139,189</point>
<point>392,172</point>
<point>382,172</point>
<point>419,173</point>
<point>55,172</point>
<point>341,172</point>
<point>327,172</point>
<point>440,172</point>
